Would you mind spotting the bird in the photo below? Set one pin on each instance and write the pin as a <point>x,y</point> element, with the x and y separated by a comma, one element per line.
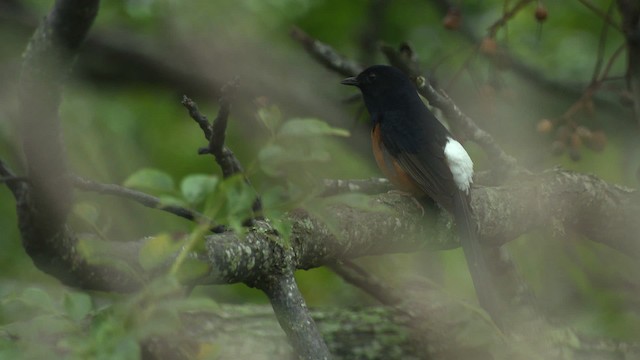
<point>419,156</point>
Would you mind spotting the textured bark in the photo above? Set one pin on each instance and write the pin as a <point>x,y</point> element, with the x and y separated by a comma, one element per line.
<point>251,332</point>
<point>559,200</point>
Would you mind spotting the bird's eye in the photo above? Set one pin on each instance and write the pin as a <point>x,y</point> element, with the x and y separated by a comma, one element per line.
<point>372,76</point>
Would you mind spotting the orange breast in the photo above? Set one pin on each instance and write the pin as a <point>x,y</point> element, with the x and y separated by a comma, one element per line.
<point>390,167</point>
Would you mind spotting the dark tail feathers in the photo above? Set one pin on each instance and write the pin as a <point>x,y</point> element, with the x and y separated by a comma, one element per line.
<point>482,281</point>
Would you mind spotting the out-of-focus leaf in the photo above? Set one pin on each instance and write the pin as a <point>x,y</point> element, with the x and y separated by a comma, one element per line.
<point>99,252</point>
<point>152,180</point>
<point>195,187</point>
<point>191,269</point>
<point>271,157</point>
<point>38,298</point>
<point>270,116</point>
<point>30,303</point>
<point>163,320</point>
<point>156,251</point>
<point>274,158</point>
<point>77,305</point>
<point>309,127</point>
<point>86,212</point>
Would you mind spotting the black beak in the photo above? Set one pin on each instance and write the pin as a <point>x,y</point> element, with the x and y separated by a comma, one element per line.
<point>350,81</point>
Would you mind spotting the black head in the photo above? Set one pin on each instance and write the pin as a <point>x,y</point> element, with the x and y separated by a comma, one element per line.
<point>384,87</point>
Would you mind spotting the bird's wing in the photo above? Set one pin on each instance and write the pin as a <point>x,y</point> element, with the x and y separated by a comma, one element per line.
<point>431,172</point>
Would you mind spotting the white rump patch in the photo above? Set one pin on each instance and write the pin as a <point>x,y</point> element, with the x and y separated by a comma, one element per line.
<point>459,163</point>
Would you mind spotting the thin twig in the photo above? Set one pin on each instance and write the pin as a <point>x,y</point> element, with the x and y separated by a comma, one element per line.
<point>605,16</point>
<point>219,126</point>
<point>16,184</point>
<point>601,46</point>
<point>229,164</point>
<point>195,114</point>
<point>7,179</point>
<point>593,88</point>
<point>325,54</point>
<point>506,16</point>
<point>215,134</point>
<point>145,200</point>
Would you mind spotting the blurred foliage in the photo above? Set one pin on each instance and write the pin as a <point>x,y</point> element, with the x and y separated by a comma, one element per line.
<point>290,129</point>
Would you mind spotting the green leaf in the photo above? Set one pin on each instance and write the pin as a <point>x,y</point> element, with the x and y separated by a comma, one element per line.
<point>156,251</point>
<point>191,269</point>
<point>309,127</point>
<point>152,180</point>
<point>37,298</point>
<point>195,187</point>
<point>274,159</point>
<point>271,158</point>
<point>77,305</point>
<point>270,116</point>
<point>86,212</point>
<point>99,252</point>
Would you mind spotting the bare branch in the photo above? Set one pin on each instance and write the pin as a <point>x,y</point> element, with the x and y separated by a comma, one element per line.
<point>606,16</point>
<point>493,29</point>
<point>215,133</point>
<point>630,12</point>
<point>14,183</point>
<point>198,117</point>
<point>145,200</point>
<point>294,316</point>
<point>325,54</point>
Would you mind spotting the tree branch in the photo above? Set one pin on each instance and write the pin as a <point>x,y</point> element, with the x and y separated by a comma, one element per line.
<point>145,200</point>
<point>14,183</point>
<point>561,200</point>
<point>215,134</point>
<point>325,55</point>
<point>43,208</point>
<point>294,316</point>
<point>276,281</point>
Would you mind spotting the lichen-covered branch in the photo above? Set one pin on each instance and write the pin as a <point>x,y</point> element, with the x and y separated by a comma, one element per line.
<point>559,200</point>
<point>294,316</point>
<point>277,281</point>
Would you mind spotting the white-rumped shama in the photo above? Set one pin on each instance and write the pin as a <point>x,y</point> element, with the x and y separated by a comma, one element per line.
<point>419,155</point>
